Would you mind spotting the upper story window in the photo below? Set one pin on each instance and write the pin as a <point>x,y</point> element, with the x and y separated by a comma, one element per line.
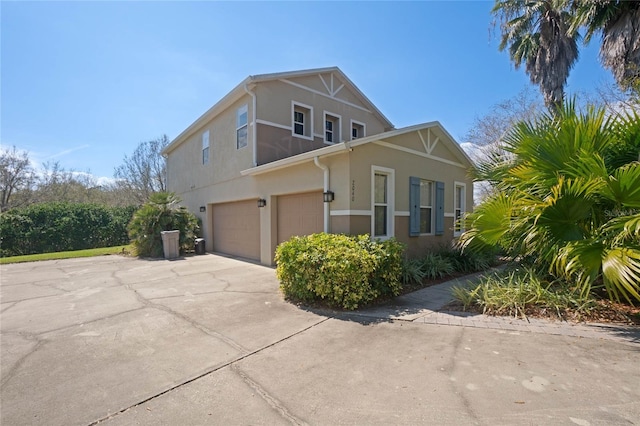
<point>241,127</point>
<point>302,120</point>
<point>357,130</point>
<point>426,207</point>
<point>205,147</point>
<point>459,207</point>
<point>331,128</point>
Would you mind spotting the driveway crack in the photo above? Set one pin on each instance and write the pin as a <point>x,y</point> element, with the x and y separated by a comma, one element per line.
<point>211,371</point>
<point>187,319</point>
<point>270,400</point>
<point>18,364</point>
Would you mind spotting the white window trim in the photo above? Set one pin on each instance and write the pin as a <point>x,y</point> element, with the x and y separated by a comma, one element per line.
<point>338,126</point>
<point>293,127</point>
<point>206,144</point>
<point>364,129</point>
<point>463,207</point>
<point>433,207</point>
<point>391,202</point>
<point>244,108</point>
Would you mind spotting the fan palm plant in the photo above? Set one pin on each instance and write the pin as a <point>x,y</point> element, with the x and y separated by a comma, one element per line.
<point>161,213</point>
<point>568,199</point>
<point>619,24</point>
<point>538,33</point>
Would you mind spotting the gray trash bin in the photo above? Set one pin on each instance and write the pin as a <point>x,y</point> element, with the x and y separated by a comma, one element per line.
<point>171,243</point>
<point>199,245</point>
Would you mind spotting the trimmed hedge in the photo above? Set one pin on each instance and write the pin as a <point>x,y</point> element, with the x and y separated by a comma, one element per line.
<point>53,227</point>
<point>340,270</point>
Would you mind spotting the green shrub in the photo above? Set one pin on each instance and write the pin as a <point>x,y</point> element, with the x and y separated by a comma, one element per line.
<point>471,261</point>
<point>343,271</point>
<point>412,271</point>
<point>54,227</point>
<point>434,265</point>
<point>386,278</point>
<point>161,213</point>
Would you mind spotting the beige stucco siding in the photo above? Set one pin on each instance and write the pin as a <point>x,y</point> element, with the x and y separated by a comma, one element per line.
<point>405,165</point>
<point>274,100</point>
<point>185,169</point>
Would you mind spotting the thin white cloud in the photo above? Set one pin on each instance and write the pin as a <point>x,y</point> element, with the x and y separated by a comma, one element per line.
<point>69,151</point>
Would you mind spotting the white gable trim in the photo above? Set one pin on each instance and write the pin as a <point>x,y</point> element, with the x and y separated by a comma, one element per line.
<point>317,92</point>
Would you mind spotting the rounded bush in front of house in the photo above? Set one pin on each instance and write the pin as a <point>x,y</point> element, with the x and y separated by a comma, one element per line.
<point>339,270</point>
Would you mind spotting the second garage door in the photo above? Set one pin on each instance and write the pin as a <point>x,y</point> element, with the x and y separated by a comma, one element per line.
<point>236,229</point>
<point>299,214</point>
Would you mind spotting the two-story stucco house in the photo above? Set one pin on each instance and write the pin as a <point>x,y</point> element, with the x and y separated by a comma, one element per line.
<point>300,152</point>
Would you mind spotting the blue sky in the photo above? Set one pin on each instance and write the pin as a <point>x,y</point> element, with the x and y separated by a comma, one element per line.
<point>82,83</point>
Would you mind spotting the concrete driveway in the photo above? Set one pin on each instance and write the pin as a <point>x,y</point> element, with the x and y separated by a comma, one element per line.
<point>209,340</point>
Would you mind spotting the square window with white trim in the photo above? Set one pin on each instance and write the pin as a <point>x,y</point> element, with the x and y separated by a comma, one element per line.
<point>241,126</point>
<point>302,121</point>
<point>331,128</point>
<point>205,147</point>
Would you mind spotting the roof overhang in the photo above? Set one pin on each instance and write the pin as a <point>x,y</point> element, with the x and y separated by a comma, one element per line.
<point>241,90</point>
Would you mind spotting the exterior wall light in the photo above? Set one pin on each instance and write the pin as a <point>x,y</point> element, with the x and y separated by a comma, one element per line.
<point>328,196</point>
<point>262,202</point>
<point>203,209</point>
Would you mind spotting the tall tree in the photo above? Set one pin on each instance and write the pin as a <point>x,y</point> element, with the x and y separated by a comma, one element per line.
<point>538,33</point>
<point>144,172</point>
<point>16,174</point>
<point>492,126</point>
<point>618,22</point>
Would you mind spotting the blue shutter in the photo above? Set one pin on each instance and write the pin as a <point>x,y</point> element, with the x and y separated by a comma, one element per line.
<point>439,208</point>
<point>414,206</point>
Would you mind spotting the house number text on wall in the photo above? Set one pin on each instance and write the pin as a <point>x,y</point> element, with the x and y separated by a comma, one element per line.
<point>353,190</point>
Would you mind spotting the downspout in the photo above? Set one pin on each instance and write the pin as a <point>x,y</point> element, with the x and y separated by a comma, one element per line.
<point>325,169</point>
<point>253,125</point>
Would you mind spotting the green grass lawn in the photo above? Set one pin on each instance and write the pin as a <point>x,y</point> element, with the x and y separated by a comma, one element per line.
<point>128,249</point>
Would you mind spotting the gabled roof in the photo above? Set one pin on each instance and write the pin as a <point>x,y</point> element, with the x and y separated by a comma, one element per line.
<point>346,146</point>
<point>241,90</point>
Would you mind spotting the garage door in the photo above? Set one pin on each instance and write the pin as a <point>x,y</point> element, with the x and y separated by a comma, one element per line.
<point>299,214</point>
<point>236,229</point>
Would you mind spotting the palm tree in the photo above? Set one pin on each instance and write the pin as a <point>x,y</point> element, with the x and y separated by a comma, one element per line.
<point>568,199</point>
<point>619,24</point>
<point>538,33</point>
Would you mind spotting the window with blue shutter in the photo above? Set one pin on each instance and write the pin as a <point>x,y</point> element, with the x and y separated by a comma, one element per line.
<point>439,208</point>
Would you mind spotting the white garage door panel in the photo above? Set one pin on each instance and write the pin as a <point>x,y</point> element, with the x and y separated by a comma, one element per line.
<point>299,214</point>
<point>236,229</point>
